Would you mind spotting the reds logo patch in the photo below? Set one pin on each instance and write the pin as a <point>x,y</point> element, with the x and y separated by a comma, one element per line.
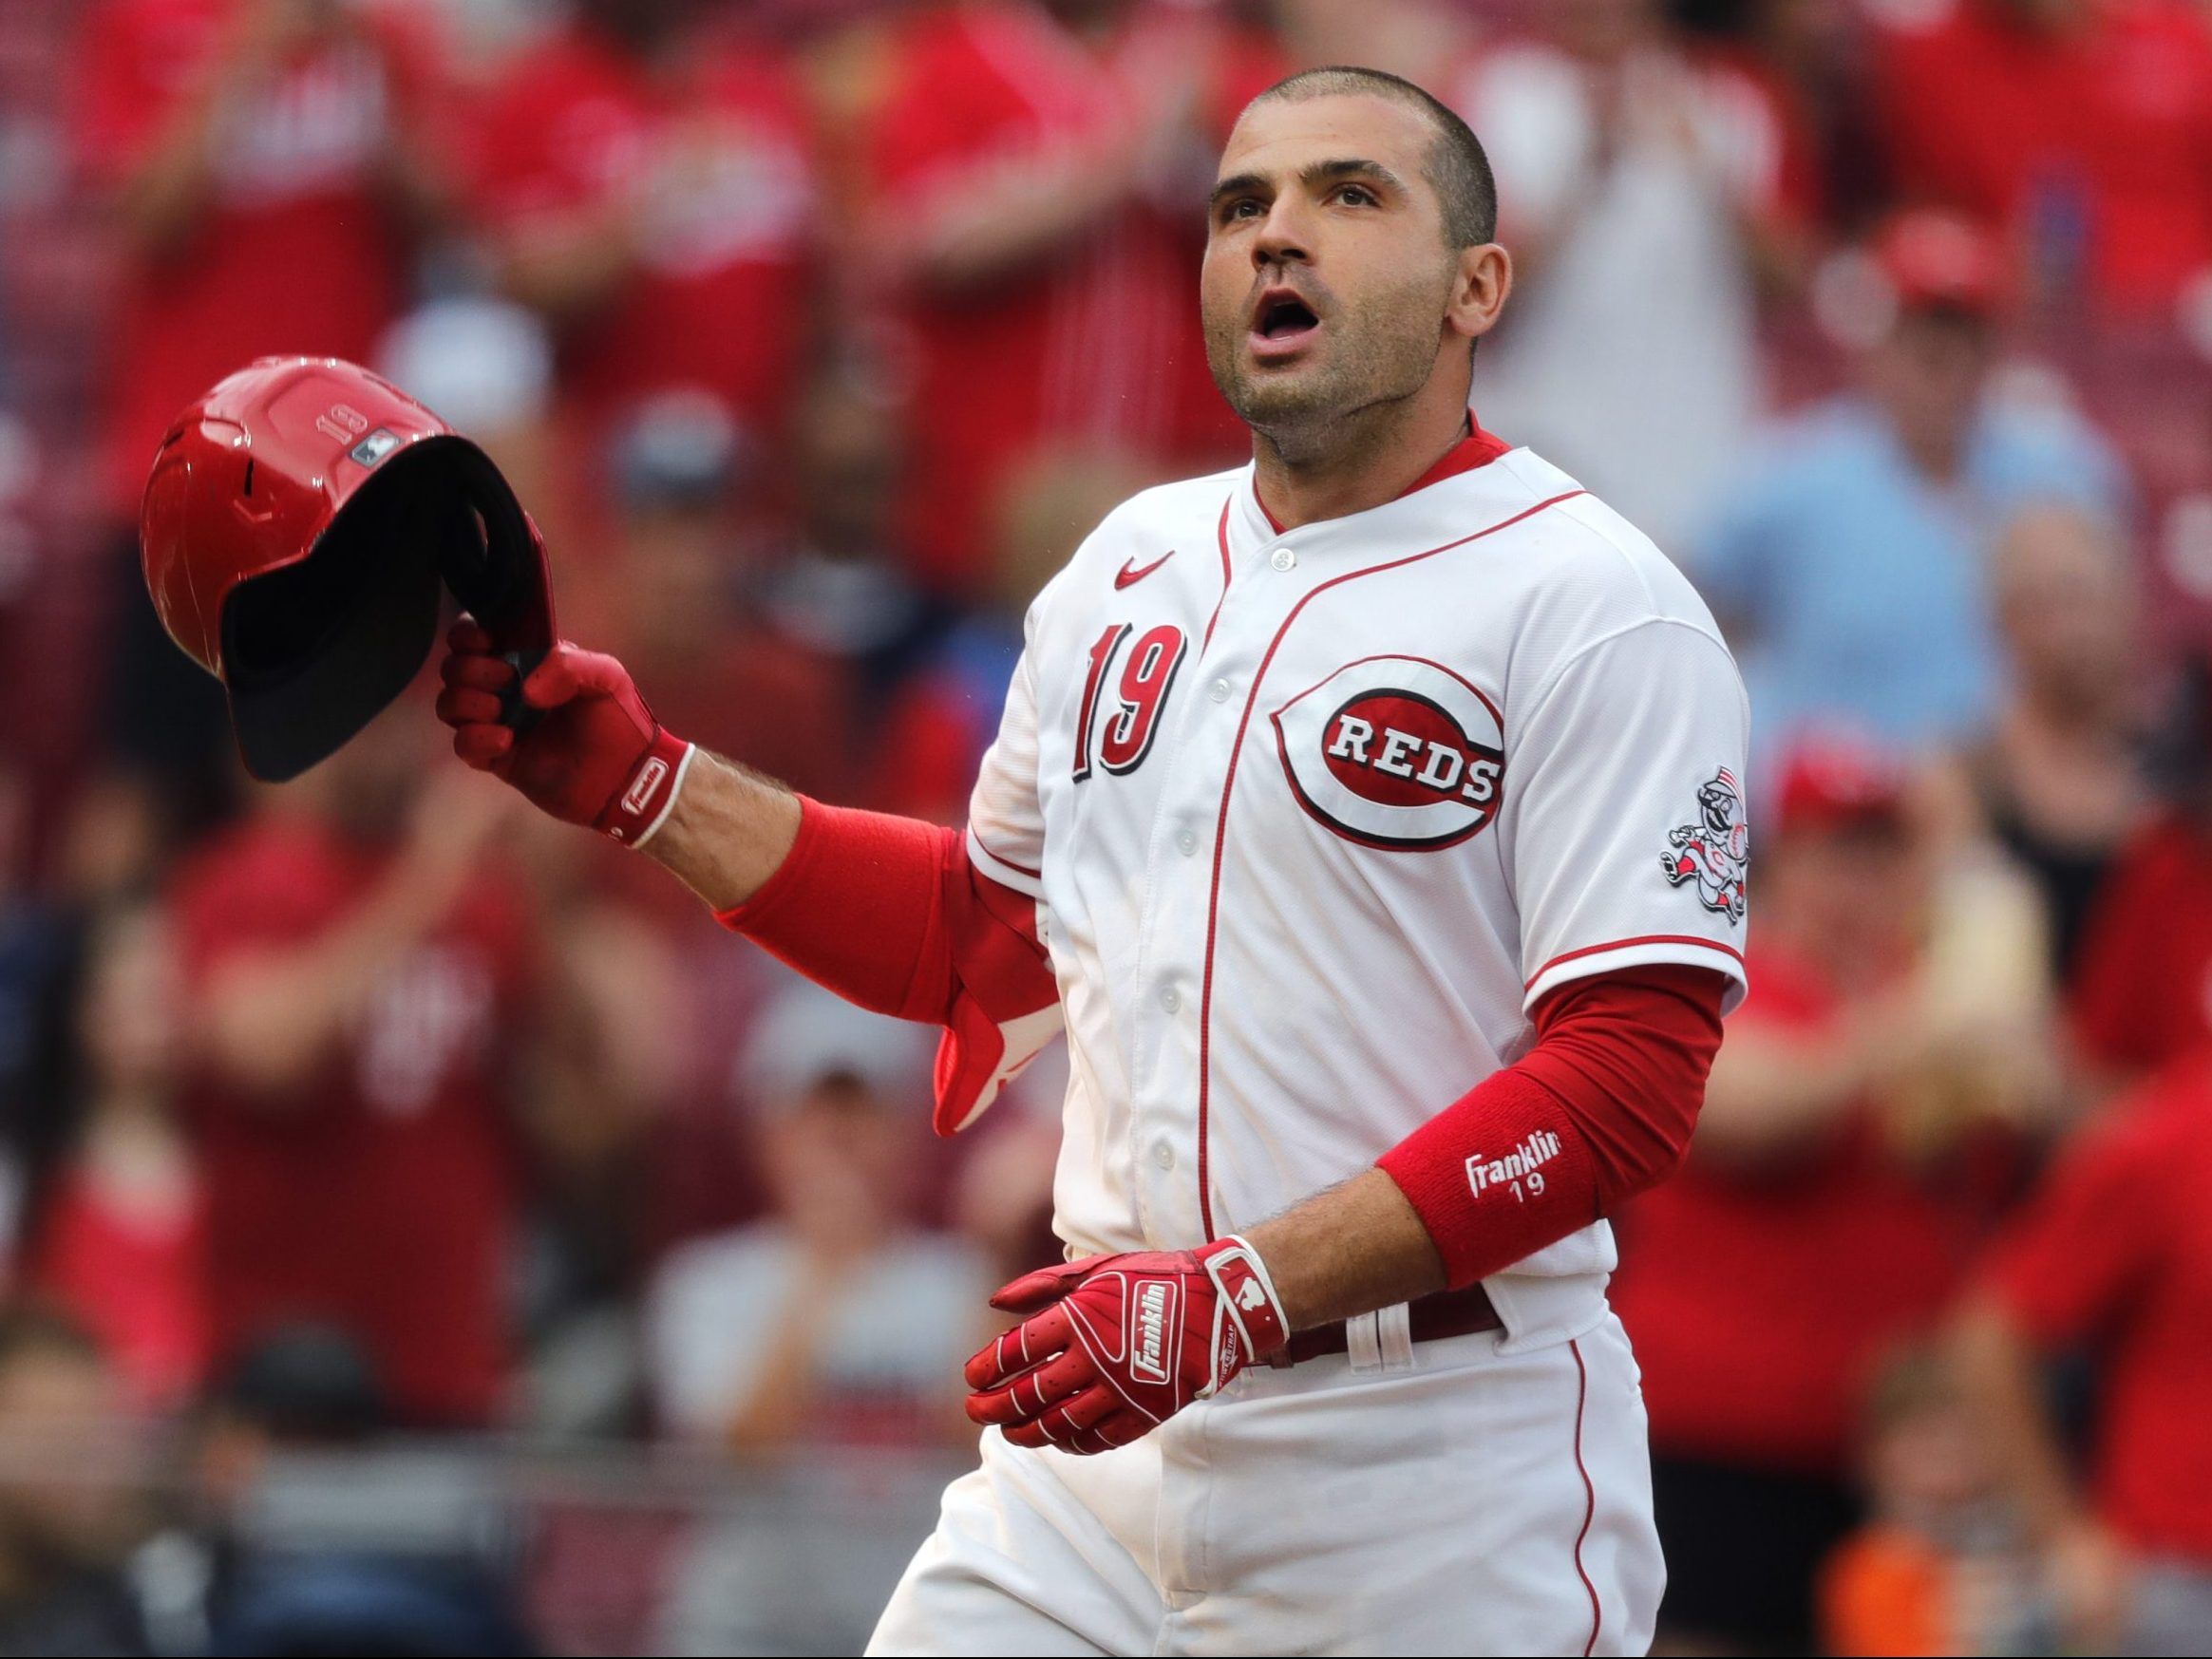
<point>1713,853</point>
<point>1396,752</point>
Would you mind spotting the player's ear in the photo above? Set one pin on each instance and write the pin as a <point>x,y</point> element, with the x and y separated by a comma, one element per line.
<point>1480,286</point>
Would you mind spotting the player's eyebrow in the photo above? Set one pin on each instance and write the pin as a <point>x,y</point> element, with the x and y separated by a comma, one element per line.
<point>1312,174</point>
<point>1235,185</point>
<point>1351,167</point>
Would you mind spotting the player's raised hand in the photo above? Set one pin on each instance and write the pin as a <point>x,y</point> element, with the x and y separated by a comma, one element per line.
<point>577,738</point>
<point>1112,1345</point>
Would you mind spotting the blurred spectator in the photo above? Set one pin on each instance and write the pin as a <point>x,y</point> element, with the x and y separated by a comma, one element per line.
<point>1001,1195</point>
<point>298,1385</point>
<point>840,586</point>
<point>1405,37</point>
<point>690,623</point>
<point>37,955</point>
<point>653,194</point>
<point>832,1326</point>
<point>267,162</point>
<point>2082,127</point>
<point>1842,1164</point>
<point>1940,1565</point>
<point>1642,190</point>
<point>781,644</point>
<point>67,1515</point>
<point>109,845</point>
<point>384,1561</point>
<point>2115,1252</point>
<point>360,981</point>
<point>947,712</point>
<point>101,861</point>
<point>121,1234</point>
<point>2143,993</point>
<point>1848,565</point>
<point>486,366</point>
<point>1810,55</point>
<point>833,1321</point>
<point>24,472</point>
<point>929,678</point>
<point>1040,171</point>
<point>2061,777</point>
<point>617,1048</point>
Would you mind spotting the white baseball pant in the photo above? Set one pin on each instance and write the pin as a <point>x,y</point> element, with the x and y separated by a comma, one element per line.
<point>1480,1501</point>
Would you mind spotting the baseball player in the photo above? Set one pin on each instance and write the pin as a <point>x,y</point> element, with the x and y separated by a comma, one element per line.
<point>1333,817</point>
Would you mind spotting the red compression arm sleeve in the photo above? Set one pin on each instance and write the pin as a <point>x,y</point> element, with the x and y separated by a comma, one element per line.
<point>1599,1110</point>
<point>890,914</point>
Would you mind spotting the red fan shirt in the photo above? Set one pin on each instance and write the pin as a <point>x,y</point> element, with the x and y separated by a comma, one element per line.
<point>2142,991</point>
<point>381,1197</point>
<point>2116,1249</point>
<point>1097,346</point>
<point>714,162</point>
<point>1760,1300</point>
<point>138,1280</point>
<point>294,251</point>
<point>2094,146</point>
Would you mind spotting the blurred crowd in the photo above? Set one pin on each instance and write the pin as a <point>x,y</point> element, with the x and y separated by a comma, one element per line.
<point>816,334</point>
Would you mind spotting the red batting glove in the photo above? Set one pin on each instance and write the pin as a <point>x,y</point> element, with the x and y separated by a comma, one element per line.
<point>582,746</point>
<point>1113,1345</point>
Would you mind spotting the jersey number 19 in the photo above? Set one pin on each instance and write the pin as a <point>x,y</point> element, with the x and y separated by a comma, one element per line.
<point>1148,670</point>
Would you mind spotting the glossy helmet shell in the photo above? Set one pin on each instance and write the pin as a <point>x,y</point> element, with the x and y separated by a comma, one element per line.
<point>300,525</point>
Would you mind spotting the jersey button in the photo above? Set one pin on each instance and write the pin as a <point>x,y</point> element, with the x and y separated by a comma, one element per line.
<point>1219,690</point>
<point>1163,1155</point>
<point>1188,842</point>
<point>1283,559</point>
<point>1170,999</point>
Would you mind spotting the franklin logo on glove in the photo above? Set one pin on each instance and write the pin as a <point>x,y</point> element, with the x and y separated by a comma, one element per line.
<point>1147,1364</point>
<point>1114,1345</point>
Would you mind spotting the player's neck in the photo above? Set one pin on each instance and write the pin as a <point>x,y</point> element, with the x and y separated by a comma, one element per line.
<point>1371,458</point>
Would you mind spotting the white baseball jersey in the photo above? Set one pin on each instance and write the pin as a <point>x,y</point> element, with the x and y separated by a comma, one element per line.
<point>1315,817</point>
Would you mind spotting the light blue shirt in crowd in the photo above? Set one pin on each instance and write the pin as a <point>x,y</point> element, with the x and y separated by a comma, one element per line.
<point>1860,587</point>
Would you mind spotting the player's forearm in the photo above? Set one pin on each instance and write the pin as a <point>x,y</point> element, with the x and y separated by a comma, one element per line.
<point>1601,1108</point>
<point>728,832</point>
<point>1348,1250</point>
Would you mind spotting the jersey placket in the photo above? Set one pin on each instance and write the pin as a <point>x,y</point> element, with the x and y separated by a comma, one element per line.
<point>1167,1152</point>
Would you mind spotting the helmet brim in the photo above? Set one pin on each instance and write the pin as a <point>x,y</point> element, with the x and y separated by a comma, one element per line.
<point>316,649</point>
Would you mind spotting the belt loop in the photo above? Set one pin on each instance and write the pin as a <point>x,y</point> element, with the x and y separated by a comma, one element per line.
<point>1394,1336</point>
<point>1362,1343</point>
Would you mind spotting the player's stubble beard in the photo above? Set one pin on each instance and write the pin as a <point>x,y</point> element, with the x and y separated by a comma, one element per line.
<point>1373,360</point>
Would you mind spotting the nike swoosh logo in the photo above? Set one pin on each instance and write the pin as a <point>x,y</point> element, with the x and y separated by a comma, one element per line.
<point>1130,573</point>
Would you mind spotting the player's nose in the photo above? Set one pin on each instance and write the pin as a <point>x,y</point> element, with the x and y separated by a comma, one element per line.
<point>1282,239</point>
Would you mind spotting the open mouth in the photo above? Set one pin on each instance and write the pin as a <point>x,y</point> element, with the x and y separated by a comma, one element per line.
<point>1281,320</point>
<point>1283,317</point>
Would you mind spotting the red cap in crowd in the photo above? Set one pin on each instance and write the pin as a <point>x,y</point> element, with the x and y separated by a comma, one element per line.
<point>1936,260</point>
<point>1837,781</point>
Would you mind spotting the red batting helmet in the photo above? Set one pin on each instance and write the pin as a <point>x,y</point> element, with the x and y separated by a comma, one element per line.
<point>295,532</point>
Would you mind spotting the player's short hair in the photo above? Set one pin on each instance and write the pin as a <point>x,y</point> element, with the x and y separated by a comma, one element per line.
<point>1457,168</point>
